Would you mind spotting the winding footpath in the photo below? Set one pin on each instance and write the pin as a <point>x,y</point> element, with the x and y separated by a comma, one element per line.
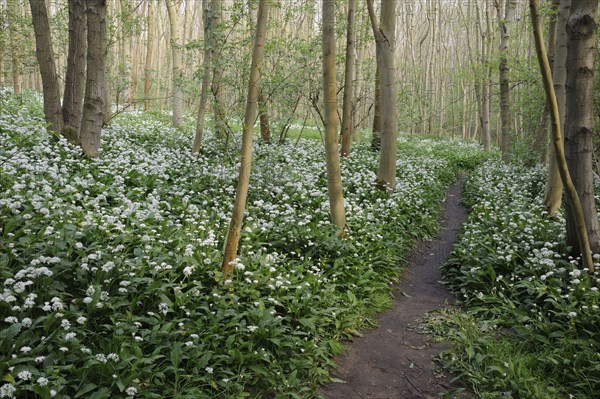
<point>395,361</point>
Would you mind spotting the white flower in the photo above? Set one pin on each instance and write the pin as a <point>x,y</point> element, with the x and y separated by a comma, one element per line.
<point>7,391</point>
<point>66,324</point>
<point>40,359</point>
<point>252,328</point>
<point>572,314</point>
<point>42,381</point>
<point>25,349</point>
<point>81,320</point>
<point>25,375</point>
<point>209,370</point>
<point>131,391</point>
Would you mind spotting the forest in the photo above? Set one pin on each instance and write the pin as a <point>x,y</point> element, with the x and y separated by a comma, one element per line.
<point>299,199</point>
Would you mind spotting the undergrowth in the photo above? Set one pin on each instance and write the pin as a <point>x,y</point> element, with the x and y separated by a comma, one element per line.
<point>110,268</point>
<point>532,320</point>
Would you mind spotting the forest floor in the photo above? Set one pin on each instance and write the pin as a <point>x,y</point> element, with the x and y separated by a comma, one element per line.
<point>396,360</point>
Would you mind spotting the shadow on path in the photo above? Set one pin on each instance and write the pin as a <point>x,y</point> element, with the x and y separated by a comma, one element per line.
<point>394,361</point>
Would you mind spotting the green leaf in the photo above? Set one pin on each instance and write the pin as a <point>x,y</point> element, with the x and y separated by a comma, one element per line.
<point>85,389</point>
<point>103,393</point>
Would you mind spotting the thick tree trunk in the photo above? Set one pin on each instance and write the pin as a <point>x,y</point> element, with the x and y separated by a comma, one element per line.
<point>385,40</point>
<point>554,186</point>
<point>149,53</point>
<point>72,106</point>
<point>579,120</point>
<point>347,127</point>
<point>93,108</point>
<point>334,177</point>
<point>241,194</point>
<point>177,76</point>
<point>206,20</point>
<point>45,57</point>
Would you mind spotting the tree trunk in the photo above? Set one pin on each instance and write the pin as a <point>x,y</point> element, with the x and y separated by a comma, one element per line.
<point>13,10</point>
<point>45,57</point>
<point>347,126</point>
<point>509,8</point>
<point>72,106</point>
<point>384,38</point>
<point>583,240</point>
<point>241,194</point>
<point>334,177</point>
<point>376,139</point>
<point>265,130</point>
<point>206,20</point>
<point>93,107</point>
<point>554,186</point>
<point>176,64</point>
<point>216,8</point>
<point>579,119</point>
<point>149,51</point>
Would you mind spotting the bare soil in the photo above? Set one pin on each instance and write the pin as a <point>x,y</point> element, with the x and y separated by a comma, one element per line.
<point>395,361</point>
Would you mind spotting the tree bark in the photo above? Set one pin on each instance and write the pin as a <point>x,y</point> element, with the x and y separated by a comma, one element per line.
<point>347,126</point>
<point>93,108</point>
<point>241,194</point>
<point>45,56</point>
<point>13,11</point>
<point>149,53</point>
<point>206,20</point>
<point>504,20</point>
<point>384,38</point>
<point>217,70</point>
<point>265,130</point>
<point>376,139</point>
<point>579,119</point>
<point>177,77</point>
<point>577,211</point>
<point>72,106</point>
<point>334,177</point>
<point>554,186</point>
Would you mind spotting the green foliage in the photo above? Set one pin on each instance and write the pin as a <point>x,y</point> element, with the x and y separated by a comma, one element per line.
<point>110,268</point>
<point>531,329</point>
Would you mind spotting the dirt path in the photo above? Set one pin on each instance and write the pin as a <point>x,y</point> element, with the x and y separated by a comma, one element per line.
<point>395,360</point>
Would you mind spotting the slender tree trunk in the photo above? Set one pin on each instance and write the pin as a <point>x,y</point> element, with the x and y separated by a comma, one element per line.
<point>385,40</point>
<point>217,71</point>
<point>208,40</point>
<point>14,12</point>
<point>577,211</point>
<point>357,86</point>
<point>93,108</point>
<point>265,130</point>
<point>347,101</point>
<point>485,85</point>
<point>334,177</point>
<point>376,139</point>
<point>45,57</point>
<point>579,119</point>
<point>554,186</point>
<point>72,106</point>
<point>241,194</point>
<point>149,52</point>
<point>504,21</point>
<point>176,64</point>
